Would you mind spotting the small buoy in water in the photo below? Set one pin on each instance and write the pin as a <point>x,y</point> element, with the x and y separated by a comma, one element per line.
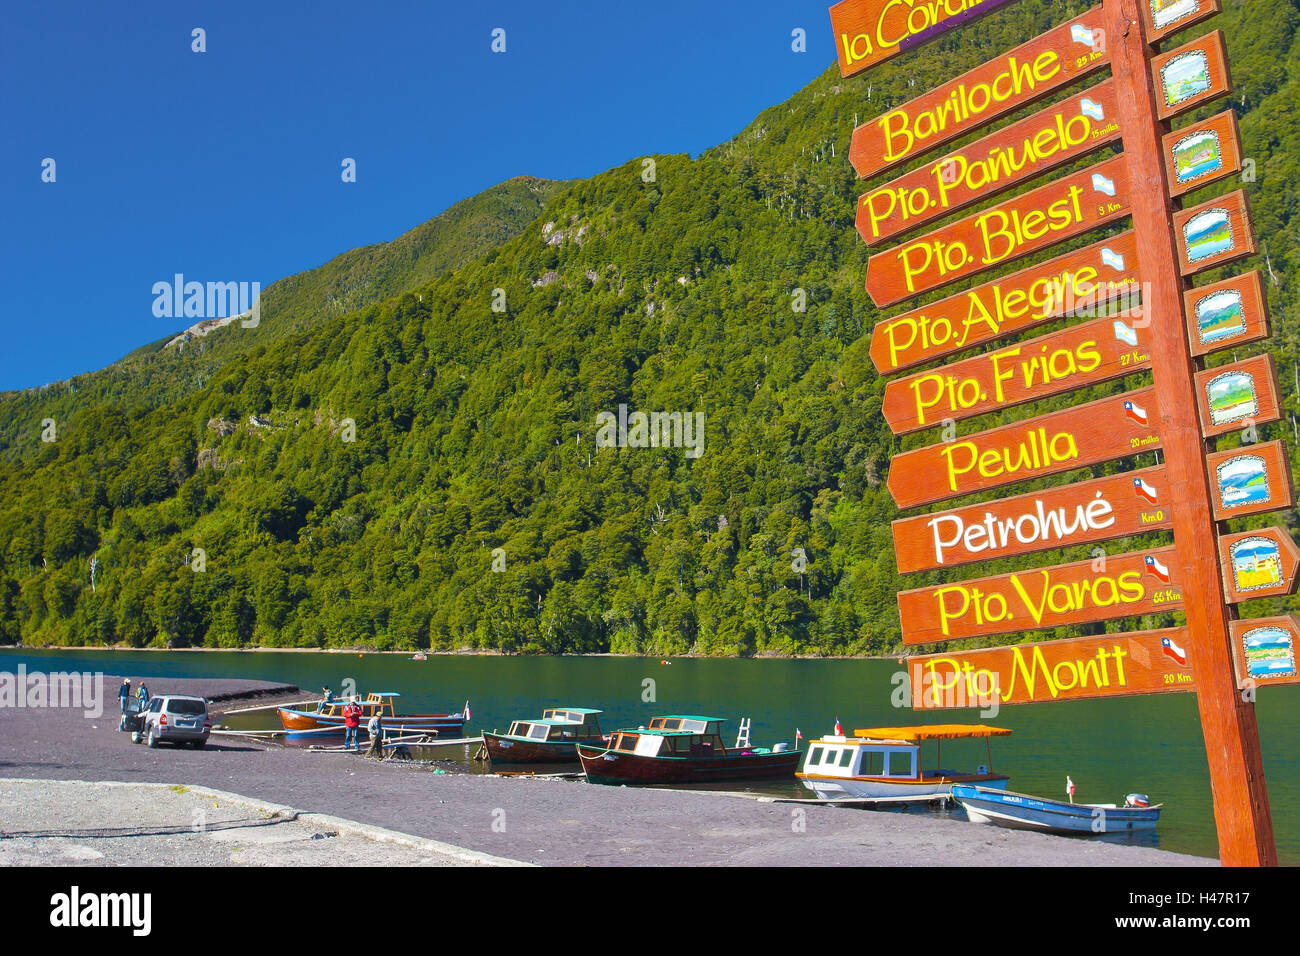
<point>665,662</point>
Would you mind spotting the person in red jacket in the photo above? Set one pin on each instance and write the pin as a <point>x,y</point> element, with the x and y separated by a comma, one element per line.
<point>351,721</point>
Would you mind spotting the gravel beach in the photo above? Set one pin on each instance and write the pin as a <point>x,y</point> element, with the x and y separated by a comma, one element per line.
<point>532,820</point>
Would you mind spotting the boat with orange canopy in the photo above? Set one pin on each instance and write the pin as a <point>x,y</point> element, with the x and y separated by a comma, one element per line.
<point>886,762</point>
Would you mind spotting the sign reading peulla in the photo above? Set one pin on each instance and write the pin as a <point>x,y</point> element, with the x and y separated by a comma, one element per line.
<point>1103,430</point>
<point>1038,144</point>
<point>1115,665</point>
<point>1122,585</point>
<point>1082,355</point>
<point>1003,233</point>
<point>1077,282</point>
<point>993,89</point>
<point>869,32</point>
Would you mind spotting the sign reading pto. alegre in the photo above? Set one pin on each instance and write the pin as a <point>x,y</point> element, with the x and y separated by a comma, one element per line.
<point>869,32</point>
<point>1136,662</point>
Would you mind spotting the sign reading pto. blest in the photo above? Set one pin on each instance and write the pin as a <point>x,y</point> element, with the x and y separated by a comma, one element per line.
<point>869,32</point>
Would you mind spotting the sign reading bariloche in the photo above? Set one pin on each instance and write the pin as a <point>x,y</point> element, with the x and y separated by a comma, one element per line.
<point>1135,662</point>
<point>1078,281</point>
<point>1003,233</point>
<point>1103,430</point>
<point>1187,491</point>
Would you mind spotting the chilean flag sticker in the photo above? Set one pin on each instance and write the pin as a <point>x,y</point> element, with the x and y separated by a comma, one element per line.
<point>1136,412</point>
<point>1145,491</point>
<point>1157,569</point>
<point>1172,650</point>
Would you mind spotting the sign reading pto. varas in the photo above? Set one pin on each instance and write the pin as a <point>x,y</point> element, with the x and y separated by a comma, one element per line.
<point>869,32</point>
<point>1077,283</point>
<point>1125,585</point>
<point>1003,233</point>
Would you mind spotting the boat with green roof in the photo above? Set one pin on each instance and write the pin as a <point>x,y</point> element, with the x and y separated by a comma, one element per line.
<point>553,738</point>
<point>683,748</point>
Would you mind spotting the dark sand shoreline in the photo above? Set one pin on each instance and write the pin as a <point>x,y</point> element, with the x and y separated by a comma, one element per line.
<point>536,820</point>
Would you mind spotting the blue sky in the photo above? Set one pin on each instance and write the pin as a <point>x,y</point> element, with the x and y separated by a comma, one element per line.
<point>225,165</point>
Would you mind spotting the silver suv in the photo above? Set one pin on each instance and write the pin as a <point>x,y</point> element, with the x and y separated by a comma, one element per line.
<point>177,719</point>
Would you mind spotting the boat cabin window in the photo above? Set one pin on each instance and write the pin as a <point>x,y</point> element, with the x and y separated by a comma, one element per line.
<point>626,742</point>
<point>649,745</point>
<point>832,754</point>
<point>539,732</point>
<point>868,764</point>
<point>846,756</point>
<point>902,763</point>
<point>814,756</point>
<point>518,729</point>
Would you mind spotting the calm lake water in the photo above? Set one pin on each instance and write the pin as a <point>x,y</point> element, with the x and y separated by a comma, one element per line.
<point>1111,747</point>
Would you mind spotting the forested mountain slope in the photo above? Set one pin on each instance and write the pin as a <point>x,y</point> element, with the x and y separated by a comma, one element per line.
<point>429,476</point>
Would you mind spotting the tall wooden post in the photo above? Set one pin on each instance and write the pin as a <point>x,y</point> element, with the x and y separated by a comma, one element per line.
<point>1241,809</point>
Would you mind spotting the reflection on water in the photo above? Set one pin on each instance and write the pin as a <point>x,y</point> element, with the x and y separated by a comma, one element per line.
<point>1148,744</point>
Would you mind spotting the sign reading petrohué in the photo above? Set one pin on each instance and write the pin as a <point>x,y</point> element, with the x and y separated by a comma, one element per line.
<point>869,32</point>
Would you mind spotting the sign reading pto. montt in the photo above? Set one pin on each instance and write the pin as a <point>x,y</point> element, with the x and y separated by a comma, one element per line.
<point>869,32</point>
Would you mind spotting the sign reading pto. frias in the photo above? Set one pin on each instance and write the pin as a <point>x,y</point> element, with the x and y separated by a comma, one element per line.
<point>996,88</point>
<point>869,32</point>
<point>1076,283</point>
<point>1134,662</point>
<point>1088,434</point>
<point>1003,233</point>
<point>1125,585</point>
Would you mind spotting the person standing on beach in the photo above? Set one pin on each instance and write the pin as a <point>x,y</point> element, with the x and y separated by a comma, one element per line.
<point>351,721</point>
<point>142,695</point>
<point>124,692</point>
<point>375,727</point>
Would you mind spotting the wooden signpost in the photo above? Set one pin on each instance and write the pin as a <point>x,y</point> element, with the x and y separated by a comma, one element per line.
<point>1135,662</point>
<point>1187,491</point>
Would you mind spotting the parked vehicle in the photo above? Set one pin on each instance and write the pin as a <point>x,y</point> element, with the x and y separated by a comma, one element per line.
<point>176,719</point>
<point>133,718</point>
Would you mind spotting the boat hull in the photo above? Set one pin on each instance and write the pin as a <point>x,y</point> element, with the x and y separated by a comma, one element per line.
<point>444,725</point>
<point>1019,811</point>
<point>618,767</point>
<point>503,748</point>
<point>868,788</point>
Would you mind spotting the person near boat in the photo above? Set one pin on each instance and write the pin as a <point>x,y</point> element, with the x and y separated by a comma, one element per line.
<point>375,727</point>
<point>351,723</point>
<point>124,692</point>
<point>327,698</point>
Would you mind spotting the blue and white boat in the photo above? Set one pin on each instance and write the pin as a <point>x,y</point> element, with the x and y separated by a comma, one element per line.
<point>1019,811</point>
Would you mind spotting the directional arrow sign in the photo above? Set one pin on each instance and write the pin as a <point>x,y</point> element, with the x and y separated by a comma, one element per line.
<point>1087,512</point>
<point>1072,128</point>
<point>1227,314</point>
<point>1004,84</point>
<point>1126,585</point>
<point>1078,281</point>
<point>1116,665</point>
<point>1003,233</point>
<point>1232,397</point>
<point>1250,480</point>
<point>1214,233</point>
<point>1086,354</point>
<point>1202,153</point>
<point>1258,564</point>
<point>1088,434</point>
<point>869,32</point>
<point>1264,650</point>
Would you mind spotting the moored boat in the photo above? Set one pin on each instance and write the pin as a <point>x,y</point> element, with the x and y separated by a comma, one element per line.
<point>682,749</point>
<point>1019,811</point>
<point>553,738</point>
<point>886,762</point>
<point>328,717</point>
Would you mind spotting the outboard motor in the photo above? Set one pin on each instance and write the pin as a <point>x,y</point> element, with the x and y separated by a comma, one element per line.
<point>1137,800</point>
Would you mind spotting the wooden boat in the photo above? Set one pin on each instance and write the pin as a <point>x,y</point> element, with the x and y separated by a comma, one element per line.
<point>886,762</point>
<point>551,739</point>
<point>682,749</point>
<point>1020,811</point>
<point>328,716</point>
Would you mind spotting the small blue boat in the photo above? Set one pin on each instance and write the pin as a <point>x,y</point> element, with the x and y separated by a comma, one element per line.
<point>1019,811</point>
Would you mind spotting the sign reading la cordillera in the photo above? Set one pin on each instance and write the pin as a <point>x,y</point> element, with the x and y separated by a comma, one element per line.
<point>869,32</point>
